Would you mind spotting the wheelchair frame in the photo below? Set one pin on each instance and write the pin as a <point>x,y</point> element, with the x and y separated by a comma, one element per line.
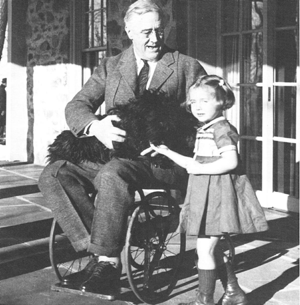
<point>153,248</point>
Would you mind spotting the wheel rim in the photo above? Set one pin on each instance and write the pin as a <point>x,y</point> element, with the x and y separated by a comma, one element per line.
<point>154,249</point>
<point>64,259</point>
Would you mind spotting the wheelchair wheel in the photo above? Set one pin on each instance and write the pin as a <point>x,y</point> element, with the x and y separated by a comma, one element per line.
<point>153,249</point>
<point>64,259</point>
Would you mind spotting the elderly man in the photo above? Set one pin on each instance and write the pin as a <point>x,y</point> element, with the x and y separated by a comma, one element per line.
<point>149,64</point>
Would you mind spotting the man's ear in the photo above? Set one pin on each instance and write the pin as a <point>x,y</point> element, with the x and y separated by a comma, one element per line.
<point>128,31</point>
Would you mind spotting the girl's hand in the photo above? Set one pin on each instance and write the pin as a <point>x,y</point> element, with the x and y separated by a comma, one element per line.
<point>164,150</point>
<point>161,149</point>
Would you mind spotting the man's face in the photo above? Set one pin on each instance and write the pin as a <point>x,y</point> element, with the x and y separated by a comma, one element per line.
<point>146,33</point>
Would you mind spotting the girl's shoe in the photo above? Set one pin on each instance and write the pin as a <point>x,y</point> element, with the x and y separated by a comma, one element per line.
<point>234,295</point>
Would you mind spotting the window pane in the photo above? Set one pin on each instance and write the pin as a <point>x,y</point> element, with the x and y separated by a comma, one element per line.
<point>92,59</point>
<point>98,30</point>
<point>101,55</point>
<point>286,13</point>
<point>286,56</point>
<point>252,15</point>
<point>95,24</point>
<point>252,58</point>
<point>97,4</point>
<point>251,155</point>
<point>95,35</point>
<point>104,27</point>
<point>286,170</point>
<point>90,30</point>
<point>230,9</point>
<point>251,111</point>
<point>285,112</point>
<point>230,56</point>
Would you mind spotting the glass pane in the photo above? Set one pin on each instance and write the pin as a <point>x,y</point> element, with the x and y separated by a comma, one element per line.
<point>101,55</point>
<point>231,60</point>
<point>91,60</point>
<point>97,4</point>
<point>251,111</point>
<point>104,28</point>
<point>286,13</point>
<point>286,170</point>
<point>252,15</point>
<point>251,155</point>
<point>286,56</point>
<point>91,30</point>
<point>252,58</point>
<point>230,9</point>
<point>95,24</point>
<point>285,112</point>
<point>98,33</point>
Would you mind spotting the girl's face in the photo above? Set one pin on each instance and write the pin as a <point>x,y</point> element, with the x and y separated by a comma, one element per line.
<point>204,105</point>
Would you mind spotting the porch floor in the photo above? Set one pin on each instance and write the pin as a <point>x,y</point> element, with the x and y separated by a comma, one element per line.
<point>267,264</point>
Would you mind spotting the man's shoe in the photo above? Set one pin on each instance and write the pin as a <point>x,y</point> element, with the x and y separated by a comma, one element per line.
<point>105,280</point>
<point>74,280</point>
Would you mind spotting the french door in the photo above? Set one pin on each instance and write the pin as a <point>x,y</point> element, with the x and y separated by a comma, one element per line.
<point>258,52</point>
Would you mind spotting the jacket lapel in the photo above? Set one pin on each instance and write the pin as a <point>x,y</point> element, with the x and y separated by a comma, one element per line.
<point>127,69</point>
<point>162,71</point>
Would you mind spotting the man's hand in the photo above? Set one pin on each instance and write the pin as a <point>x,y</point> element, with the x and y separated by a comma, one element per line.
<point>106,132</point>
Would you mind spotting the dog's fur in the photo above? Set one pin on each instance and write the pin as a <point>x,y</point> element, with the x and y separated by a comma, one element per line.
<point>151,117</point>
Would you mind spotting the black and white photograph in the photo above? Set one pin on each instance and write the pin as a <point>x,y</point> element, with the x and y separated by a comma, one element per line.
<point>149,152</point>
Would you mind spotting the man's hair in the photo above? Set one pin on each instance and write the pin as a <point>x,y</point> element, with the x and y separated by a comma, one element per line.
<point>4,81</point>
<point>141,7</point>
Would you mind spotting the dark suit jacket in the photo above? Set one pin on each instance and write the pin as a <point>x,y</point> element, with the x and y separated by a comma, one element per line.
<point>114,81</point>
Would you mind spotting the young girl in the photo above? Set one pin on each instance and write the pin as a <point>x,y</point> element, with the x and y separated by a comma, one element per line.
<point>219,197</point>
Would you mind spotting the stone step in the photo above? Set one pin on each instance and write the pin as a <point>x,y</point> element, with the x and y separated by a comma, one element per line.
<point>24,248</point>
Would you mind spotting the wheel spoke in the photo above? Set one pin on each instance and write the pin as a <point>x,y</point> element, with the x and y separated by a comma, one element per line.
<point>152,228</point>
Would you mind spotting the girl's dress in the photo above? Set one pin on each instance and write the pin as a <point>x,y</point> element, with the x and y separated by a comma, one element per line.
<point>220,203</point>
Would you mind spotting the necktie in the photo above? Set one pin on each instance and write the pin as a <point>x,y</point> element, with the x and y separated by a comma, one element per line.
<point>143,78</point>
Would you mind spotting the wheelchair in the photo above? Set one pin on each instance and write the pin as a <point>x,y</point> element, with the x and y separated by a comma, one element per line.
<point>153,250</point>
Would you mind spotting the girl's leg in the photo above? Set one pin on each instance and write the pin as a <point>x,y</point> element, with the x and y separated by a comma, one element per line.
<point>207,272</point>
<point>206,269</point>
<point>234,295</point>
<point>206,252</point>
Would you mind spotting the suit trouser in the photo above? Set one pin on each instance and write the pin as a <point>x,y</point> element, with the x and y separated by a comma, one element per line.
<point>100,226</point>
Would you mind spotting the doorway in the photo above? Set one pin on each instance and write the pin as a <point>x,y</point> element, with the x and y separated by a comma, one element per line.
<point>259,55</point>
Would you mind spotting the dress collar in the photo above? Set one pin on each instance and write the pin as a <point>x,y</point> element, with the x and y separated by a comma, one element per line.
<point>205,126</point>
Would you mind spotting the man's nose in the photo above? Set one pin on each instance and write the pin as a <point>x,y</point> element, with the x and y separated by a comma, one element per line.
<point>198,106</point>
<point>154,35</point>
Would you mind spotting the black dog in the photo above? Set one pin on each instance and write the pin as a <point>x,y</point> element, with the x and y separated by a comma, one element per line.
<point>151,117</point>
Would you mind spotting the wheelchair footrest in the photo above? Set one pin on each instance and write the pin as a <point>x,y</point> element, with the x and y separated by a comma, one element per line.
<point>58,287</point>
